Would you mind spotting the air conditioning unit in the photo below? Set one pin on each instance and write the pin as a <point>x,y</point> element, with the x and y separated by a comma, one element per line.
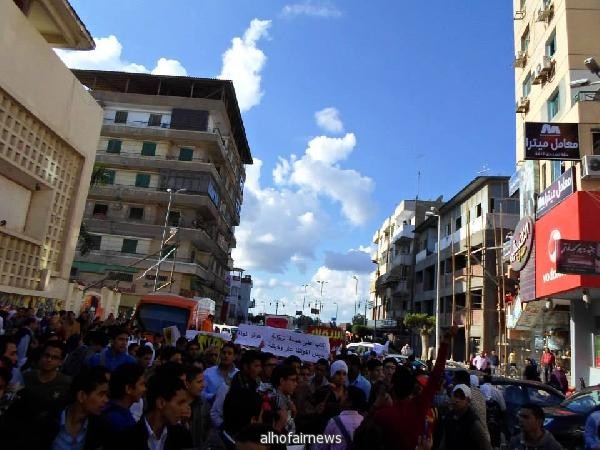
<point>523,105</point>
<point>590,166</point>
<point>521,59</point>
<point>546,65</point>
<point>538,76</point>
<point>520,15</point>
<point>545,13</point>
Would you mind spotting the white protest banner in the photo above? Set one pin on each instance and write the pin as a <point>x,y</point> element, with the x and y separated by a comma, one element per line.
<point>171,335</point>
<point>191,334</point>
<point>282,342</point>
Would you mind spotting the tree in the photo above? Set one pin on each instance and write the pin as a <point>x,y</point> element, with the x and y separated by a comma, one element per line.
<point>85,240</point>
<point>424,325</point>
<point>360,330</point>
<point>358,319</point>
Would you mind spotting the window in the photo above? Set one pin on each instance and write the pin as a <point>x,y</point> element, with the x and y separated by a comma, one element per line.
<point>544,178</point>
<point>120,276</point>
<point>94,241</point>
<point>100,209</point>
<point>114,146</point>
<point>121,117</point>
<point>174,218</point>
<point>525,40</point>
<point>492,204</point>
<point>553,105</point>
<point>527,85</point>
<point>186,154</point>
<point>448,230</point>
<point>213,193</point>
<point>556,169</point>
<point>551,45</point>
<point>136,213</point>
<point>155,120</point>
<point>142,180</point>
<point>596,143</point>
<point>108,177</point>
<point>149,149</point>
<point>478,209</point>
<point>129,246</point>
<point>458,223</point>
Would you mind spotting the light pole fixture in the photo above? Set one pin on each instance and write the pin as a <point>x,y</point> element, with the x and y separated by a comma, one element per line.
<point>435,213</point>
<point>162,242</point>
<point>336,312</point>
<point>322,283</point>
<point>355,293</point>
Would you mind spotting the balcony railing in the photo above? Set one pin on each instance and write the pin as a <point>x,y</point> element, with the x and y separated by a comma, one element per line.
<point>406,231</point>
<point>136,123</point>
<point>587,96</point>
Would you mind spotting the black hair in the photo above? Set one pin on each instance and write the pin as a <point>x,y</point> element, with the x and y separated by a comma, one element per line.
<point>265,356</point>
<point>181,340</point>
<point>54,344</point>
<point>6,375</point>
<point>536,410</point>
<point>403,382</point>
<point>373,364</point>
<point>143,351</point>
<point>249,357</point>
<point>239,407</point>
<point>487,378</point>
<point>168,352</point>
<point>357,398</point>
<point>323,362</point>
<point>96,337</point>
<point>280,372</point>
<point>29,321</point>
<point>192,372</point>
<point>162,385</point>
<point>462,377</point>
<point>123,376</point>
<point>171,369</point>
<point>390,359</point>
<point>191,343</point>
<point>353,360</point>
<point>230,345</point>
<point>132,346</point>
<point>253,433</point>
<point>4,342</point>
<point>292,359</point>
<point>88,380</point>
<point>116,331</point>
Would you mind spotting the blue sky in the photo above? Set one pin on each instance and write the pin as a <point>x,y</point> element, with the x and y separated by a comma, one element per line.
<point>401,87</point>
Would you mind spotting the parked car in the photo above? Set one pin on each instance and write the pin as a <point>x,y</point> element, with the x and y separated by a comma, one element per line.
<point>517,393</point>
<point>417,365</point>
<point>567,420</point>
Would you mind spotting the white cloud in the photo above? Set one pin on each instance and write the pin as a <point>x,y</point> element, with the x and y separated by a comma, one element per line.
<point>313,9</point>
<point>108,56</point>
<point>329,120</point>
<point>330,150</point>
<point>243,63</point>
<point>166,66</point>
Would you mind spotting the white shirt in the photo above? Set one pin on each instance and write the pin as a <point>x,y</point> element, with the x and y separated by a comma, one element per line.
<point>155,443</point>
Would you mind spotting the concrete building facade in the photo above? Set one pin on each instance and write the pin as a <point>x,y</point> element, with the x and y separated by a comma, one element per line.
<point>49,128</point>
<point>171,159</point>
<point>238,300</point>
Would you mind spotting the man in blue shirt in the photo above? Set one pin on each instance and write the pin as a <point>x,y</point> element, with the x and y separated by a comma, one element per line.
<point>223,372</point>
<point>127,385</point>
<point>116,354</point>
<point>354,376</point>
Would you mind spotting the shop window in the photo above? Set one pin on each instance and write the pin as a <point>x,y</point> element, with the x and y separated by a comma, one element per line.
<point>149,149</point>
<point>121,117</point>
<point>129,246</point>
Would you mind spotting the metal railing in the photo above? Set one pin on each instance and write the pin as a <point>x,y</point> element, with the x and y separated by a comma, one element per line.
<point>587,96</point>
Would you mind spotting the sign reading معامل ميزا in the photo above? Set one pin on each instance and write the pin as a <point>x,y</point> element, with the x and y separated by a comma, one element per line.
<point>520,246</point>
<point>560,189</point>
<point>577,257</point>
<point>552,141</point>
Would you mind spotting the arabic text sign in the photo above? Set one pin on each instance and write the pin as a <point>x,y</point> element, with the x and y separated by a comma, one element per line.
<point>284,343</point>
<point>562,187</point>
<point>578,257</point>
<point>551,141</point>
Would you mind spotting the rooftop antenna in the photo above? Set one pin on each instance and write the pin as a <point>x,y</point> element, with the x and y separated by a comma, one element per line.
<point>418,185</point>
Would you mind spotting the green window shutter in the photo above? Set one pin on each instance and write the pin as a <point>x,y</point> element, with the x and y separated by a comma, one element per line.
<point>149,149</point>
<point>142,180</point>
<point>186,154</point>
<point>114,146</point>
<point>129,246</point>
<point>109,177</point>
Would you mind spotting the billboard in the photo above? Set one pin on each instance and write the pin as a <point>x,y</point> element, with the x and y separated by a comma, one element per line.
<point>552,141</point>
<point>521,243</point>
<point>578,257</point>
<point>562,187</point>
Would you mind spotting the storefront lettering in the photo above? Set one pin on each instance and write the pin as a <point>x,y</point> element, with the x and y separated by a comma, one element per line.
<point>521,245</point>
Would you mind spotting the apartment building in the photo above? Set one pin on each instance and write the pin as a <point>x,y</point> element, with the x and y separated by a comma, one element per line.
<point>556,83</point>
<point>474,224</point>
<point>391,282</point>
<point>238,300</point>
<point>170,164</point>
<point>49,128</point>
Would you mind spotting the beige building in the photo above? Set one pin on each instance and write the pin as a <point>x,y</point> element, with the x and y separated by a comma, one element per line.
<point>164,133</point>
<point>552,39</point>
<point>49,127</point>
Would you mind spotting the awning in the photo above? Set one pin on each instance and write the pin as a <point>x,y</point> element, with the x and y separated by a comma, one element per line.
<point>86,266</point>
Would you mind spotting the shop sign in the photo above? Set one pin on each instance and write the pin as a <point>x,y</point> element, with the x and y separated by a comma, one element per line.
<point>520,246</point>
<point>562,187</point>
<point>382,323</point>
<point>578,257</point>
<point>552,141</point>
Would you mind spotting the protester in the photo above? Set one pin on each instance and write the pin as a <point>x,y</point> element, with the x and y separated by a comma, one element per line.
<point>592,429</point>
<point>196,423</point>
<point>495,410</point>
<point>285,380</point>
<point>462,428</point>
<point>389,367</point>
<point>347,421</point>
<point>406,350</point>
<point>533,435</point>
<point>494,361</point>
<point>477,400</point>
<point>116,354</point>
<point>240,409</point>
<point>481,361</point>
<point>558,379</point>
<point>548,360</point>
<point>530,372</point>
<point>215,376</point>
<point>375,371</point>
<point>144,356</point>
<point>354,376</point>
<point>127,386</point>
<point>26,340</point>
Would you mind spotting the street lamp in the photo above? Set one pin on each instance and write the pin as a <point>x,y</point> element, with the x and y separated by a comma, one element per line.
<point>435,213</point>
<point>162,242</point>
<point>593,66</point>
<point>355,292</point>
<point>336,312</point>
<point>322,283</point>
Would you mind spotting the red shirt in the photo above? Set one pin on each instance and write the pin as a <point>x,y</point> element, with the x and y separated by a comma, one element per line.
<point>548,359</point>
<point>404,421</point>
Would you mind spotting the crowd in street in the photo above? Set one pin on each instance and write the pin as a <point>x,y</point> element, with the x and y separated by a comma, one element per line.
<point>70,383</point>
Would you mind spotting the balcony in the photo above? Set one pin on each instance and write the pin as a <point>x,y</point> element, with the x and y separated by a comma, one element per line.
<point>200,202</point>
<point>406,232</point>
<point>401,288</point>
<point>587,96</point>
<point>402,259</point>
<point>422,255</point>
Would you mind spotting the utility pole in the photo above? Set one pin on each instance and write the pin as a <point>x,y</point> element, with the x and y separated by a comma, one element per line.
<point>162,242</point>
<point>322,283</point>
<point>355,292</point>
<point>304,298</point>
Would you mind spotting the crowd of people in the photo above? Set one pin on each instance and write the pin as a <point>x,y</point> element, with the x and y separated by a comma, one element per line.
<point>68,383</point>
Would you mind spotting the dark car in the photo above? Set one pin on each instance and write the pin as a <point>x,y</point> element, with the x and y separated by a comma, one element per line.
<point>517,393</point>
<point>567,420</point>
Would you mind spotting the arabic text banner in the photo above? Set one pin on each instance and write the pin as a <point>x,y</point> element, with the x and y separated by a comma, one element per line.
<point>283,342</point>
